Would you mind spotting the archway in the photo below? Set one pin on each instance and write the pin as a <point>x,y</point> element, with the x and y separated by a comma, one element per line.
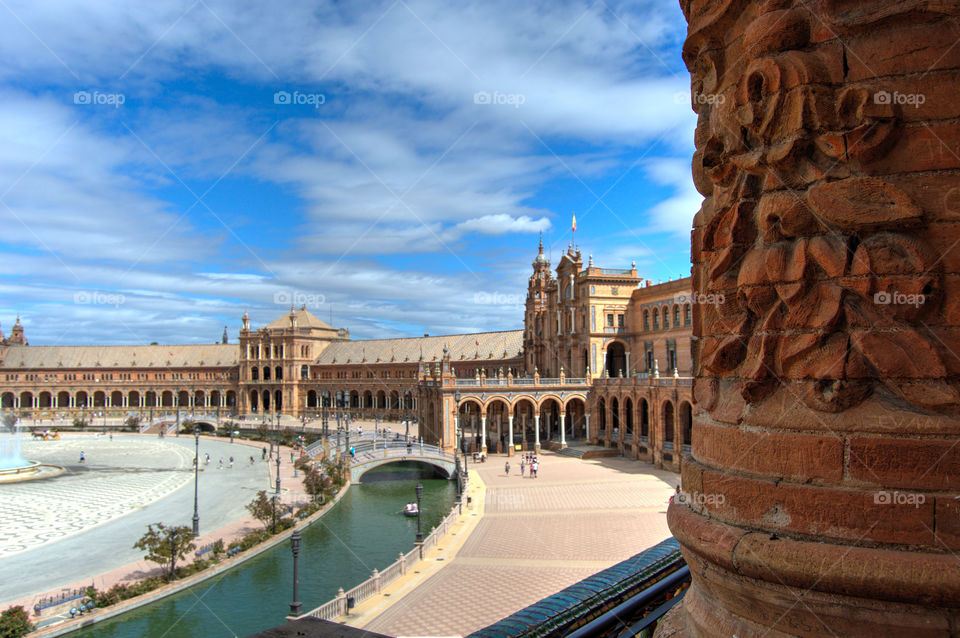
<point>254,400</point>
<point>7,400</point>
<point>116,399</point>
<point>644,419</point>
<point>668,425</point>
<point>497,426</point>
<point>99,399</point>
<point>576,419</point>
<point>26,400</point>
<point>523,421</point>
<point>549,420</point>
<point>468,415</point>
<point>628,417</point>
<point>277,400</point>
<point>312,399</point>
<point>602,413</point>
<point>81,399</point>
<point>63,399</point>
<point>617,359</point>
<point>686,423</point>
<point>615,416</point>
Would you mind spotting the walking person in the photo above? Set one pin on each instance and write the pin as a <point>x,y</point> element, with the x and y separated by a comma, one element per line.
<point>523,466</point>
<point>263,454</point>
<point>506,468</point>
<point>231,462</point>
<point>83,459</point>
<point>534,468</point>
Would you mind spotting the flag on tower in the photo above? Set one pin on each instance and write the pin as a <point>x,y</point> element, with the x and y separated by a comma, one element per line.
<point>574,222</point>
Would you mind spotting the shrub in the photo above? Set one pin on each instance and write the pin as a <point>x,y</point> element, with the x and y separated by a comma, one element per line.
<point>15,622</point>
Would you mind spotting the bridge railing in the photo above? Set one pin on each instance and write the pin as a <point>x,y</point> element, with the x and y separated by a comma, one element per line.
<point>337,607</point>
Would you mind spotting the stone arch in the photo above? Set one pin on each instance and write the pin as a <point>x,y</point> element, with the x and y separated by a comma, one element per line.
<point>615,414</point>
<point>45,399</point>
<point>665,315</point>
<point>497,410</point>
<point>676,315</point>
<point>265,398</point>
<point>628,416</point>
<point>576,409</point>
<point>311,398</point>
<point>550,408</point>
<point>646,320</point>
<point>99,399</point>
<point>524,409</point>
<point>686,422</point>
<point>81,399</point>
<point>266,373</point>
<point>231,399</point>
<point>278,373</point>
<point>617,359</point>
<point>26,400</point>
<point>254,400</point>
<point>644,408</point>
<point>133,399</point>
<point>183,399</point>
<point>602,413</point>
<point>116,399</point>
<point>216,398</point>
<point>278,400</point>
<point>199,398</point>
<point>668,425</point>
<point>254,373</point>
<point>166,399</point>
<point>8,399</point>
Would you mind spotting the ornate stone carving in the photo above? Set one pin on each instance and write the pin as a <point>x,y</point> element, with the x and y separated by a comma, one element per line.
<point>824,265</point>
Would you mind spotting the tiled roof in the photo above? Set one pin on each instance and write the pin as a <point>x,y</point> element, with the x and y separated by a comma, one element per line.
<point>52,357</point>
<point>304,320</point>
<point>492,345</point>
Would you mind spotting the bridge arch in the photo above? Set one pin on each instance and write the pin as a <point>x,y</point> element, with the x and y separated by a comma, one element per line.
<point>443,467</point>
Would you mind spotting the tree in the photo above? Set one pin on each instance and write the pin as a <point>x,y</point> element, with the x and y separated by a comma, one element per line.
<point>132,422</point>
<point>10,420</point>
<point>80,422</point>
<point>15,622</point>
<point>314,482</point>
<point>160,540</point>
<point>262,508</point>
<point>187,426</point>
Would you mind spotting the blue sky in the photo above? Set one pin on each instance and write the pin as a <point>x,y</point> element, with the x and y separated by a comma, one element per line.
<point>167,165</point>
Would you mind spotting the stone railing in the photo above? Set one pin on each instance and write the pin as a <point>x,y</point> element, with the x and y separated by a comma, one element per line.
<point>379,579</point>
<point>525,381</point>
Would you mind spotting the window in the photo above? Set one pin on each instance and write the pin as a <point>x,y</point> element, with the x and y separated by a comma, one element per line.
<point>568,292</point>
<point>686,314</point>
<point>656,319</point>
<point>646,319</point>
<point>610,320</point>
<point>676,315</point>
<point>666,317</point>
<point>619,321</point>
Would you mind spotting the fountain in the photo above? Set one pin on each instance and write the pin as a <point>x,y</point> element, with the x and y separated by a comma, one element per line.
<point>13,467</point>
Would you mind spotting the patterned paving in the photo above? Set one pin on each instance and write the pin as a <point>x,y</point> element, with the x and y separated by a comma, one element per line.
<point>90,494</point>
<point>536,537</point>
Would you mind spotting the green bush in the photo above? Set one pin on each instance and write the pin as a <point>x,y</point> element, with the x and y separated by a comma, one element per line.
<point>15,622</point>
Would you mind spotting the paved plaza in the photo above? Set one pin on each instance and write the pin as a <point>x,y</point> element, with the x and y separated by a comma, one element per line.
<point>83,523</point>
<point>535,537</point>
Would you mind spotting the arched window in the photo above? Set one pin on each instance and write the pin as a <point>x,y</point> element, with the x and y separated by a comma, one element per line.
<point>279,374</point>
<point>666,317</point>
<point>646,319</point>
<point>686,314</point>
<point>304,372</point>
<point>656,319</point>
<point>266,375</point>
<point>676,315</point>
<point>255,373</point>
<point>568,291</point>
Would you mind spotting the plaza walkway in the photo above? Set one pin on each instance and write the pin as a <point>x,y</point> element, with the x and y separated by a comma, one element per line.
<point>534,537</point>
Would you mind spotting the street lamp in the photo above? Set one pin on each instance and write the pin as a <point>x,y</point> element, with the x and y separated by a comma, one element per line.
<point>419,527</point>
<point>456,420</point>
<point>173,553</point>
<point>275,512</point>
<point>278,470</point>
<point>196,478</point>
<point>295,550</point>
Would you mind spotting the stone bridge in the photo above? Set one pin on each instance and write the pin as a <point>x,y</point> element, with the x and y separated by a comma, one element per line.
<point>368,456</point>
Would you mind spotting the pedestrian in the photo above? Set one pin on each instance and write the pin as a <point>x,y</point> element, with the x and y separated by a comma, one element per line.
<point>231,461</point>
<point>83,459</point>
<point>111,436</point>
<point>206,459</point>
<point>220,466</point>
<point>292,457</point>
<point>251,460</point>
<point>506,468</point>
<point>535,468</point>
<point>263,454</point>
<point>523,466</point>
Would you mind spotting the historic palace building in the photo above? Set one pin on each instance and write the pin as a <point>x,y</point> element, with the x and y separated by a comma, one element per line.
<point>604,357</point>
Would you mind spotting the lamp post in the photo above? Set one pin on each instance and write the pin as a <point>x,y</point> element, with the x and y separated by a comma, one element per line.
<point>295,550</point>
<point>196,478</point>
<point>459,486</point>
<point>419,527</point>
<point>278,470</point>
<point>456,421</point>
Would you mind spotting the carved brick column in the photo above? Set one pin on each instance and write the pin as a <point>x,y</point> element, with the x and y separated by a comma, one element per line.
<point>821,494</point>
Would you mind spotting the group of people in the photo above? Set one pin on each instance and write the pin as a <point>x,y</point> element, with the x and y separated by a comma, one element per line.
<point>527,461</point>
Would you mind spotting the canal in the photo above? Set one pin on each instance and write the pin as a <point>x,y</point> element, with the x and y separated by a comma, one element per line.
<point>363,532</point>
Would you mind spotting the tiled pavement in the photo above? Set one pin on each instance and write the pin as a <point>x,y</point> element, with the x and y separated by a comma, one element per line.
<point>537,536</point>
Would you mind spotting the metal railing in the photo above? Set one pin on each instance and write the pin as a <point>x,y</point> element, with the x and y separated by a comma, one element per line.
<point>339,606</point>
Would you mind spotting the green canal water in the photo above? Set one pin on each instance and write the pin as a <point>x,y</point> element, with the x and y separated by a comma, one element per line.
<point>363,532</point>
